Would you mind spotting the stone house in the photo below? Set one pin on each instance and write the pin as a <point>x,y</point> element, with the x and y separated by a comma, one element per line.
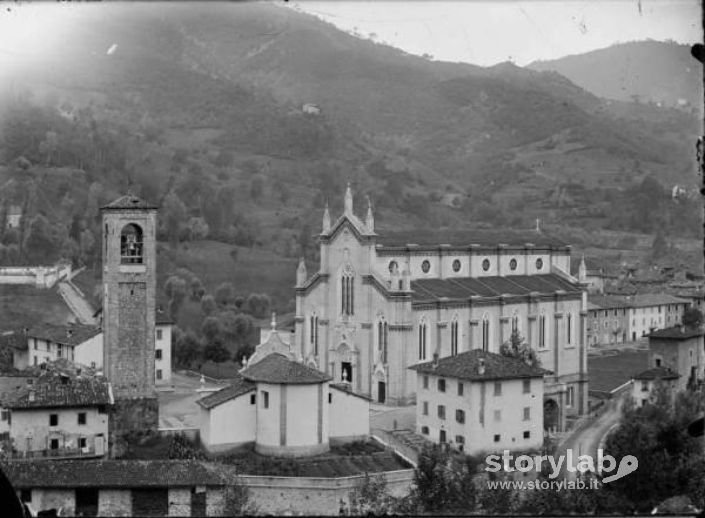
<point>645,383</point>
<point>120,487</point>
<point>607,320</point>
<point>480,401</point>
<point>682,350</point>
<point>60,416</point>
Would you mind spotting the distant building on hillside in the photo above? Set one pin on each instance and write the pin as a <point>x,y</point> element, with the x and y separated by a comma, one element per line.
<point>480,401</point>
<point>593,276</point>
<point>14,216</point>
<point>682,350</point>
<point>311,109</point>
<point>60,416</point>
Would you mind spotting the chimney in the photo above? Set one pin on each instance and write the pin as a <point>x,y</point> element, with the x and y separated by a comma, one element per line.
<point>481,366</point>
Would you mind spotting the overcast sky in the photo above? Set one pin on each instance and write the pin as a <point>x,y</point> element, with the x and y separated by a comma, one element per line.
<point>490,32</point>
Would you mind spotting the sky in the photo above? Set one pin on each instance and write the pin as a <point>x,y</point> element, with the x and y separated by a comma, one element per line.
<point>489,32</point>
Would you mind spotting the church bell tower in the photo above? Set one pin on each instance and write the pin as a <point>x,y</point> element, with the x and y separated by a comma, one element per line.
<point>129,290</point>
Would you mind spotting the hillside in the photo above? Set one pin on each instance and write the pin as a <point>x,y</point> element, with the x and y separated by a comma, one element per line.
<point>645,71</point>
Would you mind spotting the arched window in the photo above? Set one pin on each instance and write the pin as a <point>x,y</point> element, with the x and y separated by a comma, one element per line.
<point>422,340</point>
<point>382,339</point>
<point>454,336</point>
<point>347,291</point>
<point>485,333</point>
<point>131,245</point>
<point>542,330</point>
<point>313,324</point>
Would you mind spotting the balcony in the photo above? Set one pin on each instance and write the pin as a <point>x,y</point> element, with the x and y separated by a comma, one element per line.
<point>57,453</point>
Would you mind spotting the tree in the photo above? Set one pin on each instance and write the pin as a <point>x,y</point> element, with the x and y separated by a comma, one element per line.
<point>173,215</point>
<point>187,349</point>
<point>224,294</point>
<point>517,348</point>
<point>198,229</point>
<point>39,245</point>
<point>182,448</point>
<point>175,289</point>
<point>197,289</point>
<point>48,146</point>
<point>371,497</point>
<point>211,328</point>
<point>258,305</point>
<point>216,351</point>
<point>208,305</point>
<point>692,317</point>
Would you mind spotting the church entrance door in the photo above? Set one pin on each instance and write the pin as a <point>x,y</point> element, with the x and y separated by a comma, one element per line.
<point>381,391</point>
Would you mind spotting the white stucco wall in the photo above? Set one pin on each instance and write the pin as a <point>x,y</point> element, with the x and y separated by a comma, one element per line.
<point>163,344</point>
<point>90,352</point>
<point>302,414</point>
<point>349,415</point>
<point>268,419</point>
<point>228,424</point>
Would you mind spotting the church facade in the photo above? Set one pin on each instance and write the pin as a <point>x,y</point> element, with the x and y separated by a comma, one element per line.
<point>379,304</point>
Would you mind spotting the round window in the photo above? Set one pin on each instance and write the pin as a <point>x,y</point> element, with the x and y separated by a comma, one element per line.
<point>539,263</point>
<point>513,264</point>
<point>393,266</point>
<point>456,265</point>
<point>486,264</point>
<point>425,266</point>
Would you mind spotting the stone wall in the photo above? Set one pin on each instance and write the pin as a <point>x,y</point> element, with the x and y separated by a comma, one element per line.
<point>38,276</point>
<point>131,416</point>
<point>114,502</point>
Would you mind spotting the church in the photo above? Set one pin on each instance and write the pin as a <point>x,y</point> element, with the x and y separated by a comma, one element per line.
<point>379,304</point>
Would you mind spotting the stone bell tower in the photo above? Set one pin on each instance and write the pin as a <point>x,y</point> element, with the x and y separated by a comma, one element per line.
<point>129,289</point>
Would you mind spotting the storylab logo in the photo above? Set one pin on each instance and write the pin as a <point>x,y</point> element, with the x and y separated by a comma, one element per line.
<point>604,464</point>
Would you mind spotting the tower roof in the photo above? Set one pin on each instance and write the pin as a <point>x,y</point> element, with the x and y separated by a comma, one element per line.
<point>129,202</point>
<point>277,368</point>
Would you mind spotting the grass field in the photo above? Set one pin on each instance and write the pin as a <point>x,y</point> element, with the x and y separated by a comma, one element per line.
<point>22,306</point>
<point>608,372</point>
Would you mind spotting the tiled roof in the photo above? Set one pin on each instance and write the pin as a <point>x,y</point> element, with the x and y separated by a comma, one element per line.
<point>607,302</point>
<point>677,333</point>
<point>654,299</point>
<point>492,286</point>
<point>237,387</point>
<point>345,387</point>
<point>127,202</point>
<point>54,390</point>
<point>276,368</point>
<point>657,373</point>
<point>466,366</point>
<point>74,334</point>
<point>465,238</point>
<point>162,318</point>
<point>113,473</point>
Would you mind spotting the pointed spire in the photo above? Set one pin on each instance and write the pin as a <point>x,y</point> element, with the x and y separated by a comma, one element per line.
<point>582,269</point>
<point>301,273</point>
<point>348,200</point>
<point>370,219</point>
<point>326,219</point>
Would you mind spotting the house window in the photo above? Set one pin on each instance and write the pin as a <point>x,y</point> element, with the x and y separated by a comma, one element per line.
<point>101,409</point>
<point>460,416</point>
<point>131,245</point>
<point>460,389</point>
<point>53,419</point>
<point>265,399</point>
<point>425,408</point>
<point>158,354</point>
<point>82,442</point>
<point>454,338</point>
<point>527,413</point>
<point>422,341</point>
<point>330,398</point>
<point>347,294</point>
<point>26,495</point>
<point>441,412</point>
<point>4,415</point>
<point>497,388</point>
<point>424,430</point>
<point>159,374</point>
<point>81,418</point>
<point>485,334</point>
<point>526,386</point>
<point>425,382</point>
<point>497,415</point>
<point>460,439</point>
<point>496,437</point>
<point>527,434</point>
<point>59,350</point>
<point>644,386</point>
<point>442,436</point>
<point>159,334</point>
<point>253,399</point>
<point>54,444</point>
<point>441,385</point>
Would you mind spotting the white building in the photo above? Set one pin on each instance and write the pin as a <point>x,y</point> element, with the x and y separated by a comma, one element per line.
<point>645,383</point>
<point>652,311</point>
<point>60,416</point>
<point>282,406</point>
<point>162,349</point>
<point>480,401</point>
<point>49,342</point>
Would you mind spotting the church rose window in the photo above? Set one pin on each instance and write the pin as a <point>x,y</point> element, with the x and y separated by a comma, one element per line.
<point>393,266</point>
<point>425,266</point>
<point>539,263</point>
<point>486,264</point>
<point>513,264</point>
<point>456,265</point>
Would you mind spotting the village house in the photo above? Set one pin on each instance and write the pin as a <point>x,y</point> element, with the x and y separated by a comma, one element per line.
<point>45,343</point>
<point>607,320</point>
<point>14,216</point>
<point>162,348</point>
<point>593,276</point>
<point>681,349</point>
<point>59,415</point>
<point>651,311</point>
<point>121,487</point>
<point>480,401</point>
<point>646,383</point>
<point>282,406</point>
<point>379,303</point>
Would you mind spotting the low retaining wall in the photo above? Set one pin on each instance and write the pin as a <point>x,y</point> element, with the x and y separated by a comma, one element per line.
<point>39,276</point>
<point>190,433</point>
<point>314,496</point>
